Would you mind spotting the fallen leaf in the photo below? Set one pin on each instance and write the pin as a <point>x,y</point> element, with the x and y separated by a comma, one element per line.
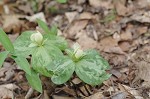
<point>116,73</point>
<point>126,36</point>
<point>86,15</point>
<point>120,7</point>
<point>61,97</point>
<point>76,81</point>
<point>12,22</point>
<point>6,91</point>
<point>39,15</point>
<point>97,95</point>
<point>101,3</point>
<point>141,16</point>
<point>131,91</point>
<point>71,15</point>
<point>86,42</point>
<point>125,46</point>
<point>76,27</point>
<point>119,95</point>
<point>26,9</point>
<point>110,45</point>
<point>7,72</point>
<point>81,1</point>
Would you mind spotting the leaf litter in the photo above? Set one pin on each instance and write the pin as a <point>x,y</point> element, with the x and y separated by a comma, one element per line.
<point>118,29</point>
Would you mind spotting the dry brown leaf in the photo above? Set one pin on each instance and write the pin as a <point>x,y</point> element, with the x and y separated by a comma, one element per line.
<point>110,45</point>
<point>26,9</point>
<point>120,7</point>
<point>119,95</point>
<point>71,16</point>
<point>86,42</point>
<point>141,16</point>
<point>6,91</point>
<point>39,15</point>
<point>77,27</point>
<point>11,22</point>
<point>69,91</point>
<point>143,3</point>
<point>141,30</point>
<point>116,73</point>
<point>125,46</point>
<point>10,86</point>
<point>131,91</point>
<point>81,1</point>
<point>86,15</point>
<point>101,3</point>
<point>76,81</point>
<point>126,36</point>
<point>6,72</point>
<point>62,97</point>
<point>97,95</point>
<point>144,70</point>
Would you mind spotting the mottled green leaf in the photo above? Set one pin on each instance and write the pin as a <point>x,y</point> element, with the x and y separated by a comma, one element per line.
<point>94,56</point>
<point>63,69</point>
<point>56,41</point>
<point>90,73</point>
<point>3,56</point>
<point>6,41</point>
<point>34,81</point>
<point>22,43</point>
<point>40,59</point>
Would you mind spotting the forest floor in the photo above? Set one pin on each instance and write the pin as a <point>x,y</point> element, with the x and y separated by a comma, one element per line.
<point>118,29</point>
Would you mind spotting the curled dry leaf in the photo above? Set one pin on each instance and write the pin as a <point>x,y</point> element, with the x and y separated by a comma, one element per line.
<point>6,72</point>
<point>6,91</point>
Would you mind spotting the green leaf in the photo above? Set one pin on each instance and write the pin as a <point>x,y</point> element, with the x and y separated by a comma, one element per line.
<point>59,42</point>
<point>6,41</point>
<point>90,73</point>
<point>63,69</point>
<point>40,59</point>
<point>44,26</point>
<point>3,56</point>
<point>54,30</point>
<point>34,81</point>
<point>22,43</point>
<point>61,1</point>
<point>94,56</point>
<point>23,64</point>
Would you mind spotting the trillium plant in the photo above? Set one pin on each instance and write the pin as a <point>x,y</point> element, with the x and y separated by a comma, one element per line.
<point>51,57</point>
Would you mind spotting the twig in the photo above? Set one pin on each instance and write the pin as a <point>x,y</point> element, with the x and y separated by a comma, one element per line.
<point>29,93</point>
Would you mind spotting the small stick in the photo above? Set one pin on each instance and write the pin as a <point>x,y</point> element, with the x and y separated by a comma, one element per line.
<point>29,93</point>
